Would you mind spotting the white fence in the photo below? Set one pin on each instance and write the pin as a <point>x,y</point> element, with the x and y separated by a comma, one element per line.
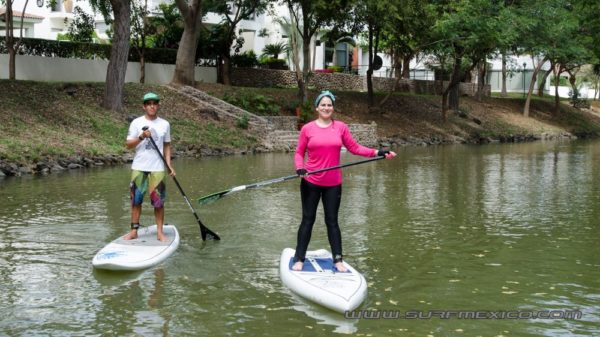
<point>54,69</point>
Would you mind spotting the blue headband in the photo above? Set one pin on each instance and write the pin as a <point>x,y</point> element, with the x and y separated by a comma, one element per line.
<point>324,93</point>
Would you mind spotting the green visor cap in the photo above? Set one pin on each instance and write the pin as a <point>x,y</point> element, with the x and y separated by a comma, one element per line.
<point>151,97</point>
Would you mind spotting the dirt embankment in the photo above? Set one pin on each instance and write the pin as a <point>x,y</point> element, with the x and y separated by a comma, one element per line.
<point>48,127</point>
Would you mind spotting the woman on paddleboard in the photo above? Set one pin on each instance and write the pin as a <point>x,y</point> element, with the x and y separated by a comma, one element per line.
<point>321,141</point>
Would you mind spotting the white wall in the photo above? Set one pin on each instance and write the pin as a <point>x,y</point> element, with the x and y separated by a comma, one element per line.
<point>37,68</point>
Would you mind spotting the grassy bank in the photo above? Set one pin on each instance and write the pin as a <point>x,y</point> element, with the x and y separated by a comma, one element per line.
<point>39,121</point>
<point>416,119</point>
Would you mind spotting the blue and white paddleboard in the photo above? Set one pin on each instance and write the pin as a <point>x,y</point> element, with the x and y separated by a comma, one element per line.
<point>144,252</point>
<point>320,282</point>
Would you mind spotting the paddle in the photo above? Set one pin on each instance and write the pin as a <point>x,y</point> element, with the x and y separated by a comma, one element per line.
<point>205,232</point>
<point>216,196</point>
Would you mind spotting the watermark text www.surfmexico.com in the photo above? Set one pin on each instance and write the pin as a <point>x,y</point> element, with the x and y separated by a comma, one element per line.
<point>464,314</point>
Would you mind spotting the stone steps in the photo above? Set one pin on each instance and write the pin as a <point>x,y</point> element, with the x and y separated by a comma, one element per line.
<point>277,133</point>
<point>282,140</point>
<point>224,109</point>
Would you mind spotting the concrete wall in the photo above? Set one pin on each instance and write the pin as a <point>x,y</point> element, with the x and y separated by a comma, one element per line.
<point>54,69</point>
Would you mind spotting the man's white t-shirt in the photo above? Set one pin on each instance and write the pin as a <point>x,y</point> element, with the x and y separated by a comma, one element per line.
<point>146,159</point>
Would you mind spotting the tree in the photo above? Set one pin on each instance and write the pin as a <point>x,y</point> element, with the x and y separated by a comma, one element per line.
<point>186,54</point>
<point>373,14</point>
<point>12,44</point>
<point>81,29</point>
<point>139,32</point>
<point>274,49</point>
<point>404,36</point>
<point>117,12</point>
<point>308,16</point>
<point>166,28</point>
<point>465,33</point>
<point>232,12</point>
<point>550,30</point>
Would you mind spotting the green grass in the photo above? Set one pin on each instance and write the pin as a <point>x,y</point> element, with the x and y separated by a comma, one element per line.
<point>41,120</point>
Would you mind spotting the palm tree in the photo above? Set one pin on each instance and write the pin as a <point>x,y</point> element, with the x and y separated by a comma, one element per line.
<point>275,49</point>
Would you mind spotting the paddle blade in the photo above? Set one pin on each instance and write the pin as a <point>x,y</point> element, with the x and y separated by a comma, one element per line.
<point>207,234</point>
<point>209,199</point>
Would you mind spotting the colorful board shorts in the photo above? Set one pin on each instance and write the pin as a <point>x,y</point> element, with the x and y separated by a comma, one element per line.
<point>151,182</point>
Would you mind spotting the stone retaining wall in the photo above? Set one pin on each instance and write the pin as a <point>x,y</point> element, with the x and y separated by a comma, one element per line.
<point>270,78</point>
<point>365,134</point>
<point>283,122</point>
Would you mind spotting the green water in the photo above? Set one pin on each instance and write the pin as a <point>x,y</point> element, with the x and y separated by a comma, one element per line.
<point>491,229</point>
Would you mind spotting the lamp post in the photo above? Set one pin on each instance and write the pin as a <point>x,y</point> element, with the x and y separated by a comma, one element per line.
<point>523,75</point>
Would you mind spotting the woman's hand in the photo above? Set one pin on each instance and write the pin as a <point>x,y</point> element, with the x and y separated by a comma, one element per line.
<point>388,154</point>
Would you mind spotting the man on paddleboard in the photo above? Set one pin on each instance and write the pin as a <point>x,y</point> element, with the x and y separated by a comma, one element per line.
<point>148,170</point>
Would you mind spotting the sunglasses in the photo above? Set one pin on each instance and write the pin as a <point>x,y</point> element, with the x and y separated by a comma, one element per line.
<point>151,103</point>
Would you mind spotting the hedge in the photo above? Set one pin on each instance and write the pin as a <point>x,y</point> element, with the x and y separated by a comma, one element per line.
<point>83,50</point>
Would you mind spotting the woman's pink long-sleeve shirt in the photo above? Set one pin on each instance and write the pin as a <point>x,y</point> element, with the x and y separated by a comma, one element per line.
<point>323,146</point>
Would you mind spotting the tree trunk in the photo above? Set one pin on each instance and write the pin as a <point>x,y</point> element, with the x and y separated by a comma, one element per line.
<point>504,93</point>
<point>186,54</point>
<point>536,69</point>
<point>397,65</point>
<point>452,88</point>
<point>142,68</point>
<point>406,66</point>
<point>481,73</point>
<point>226,69</point>
<point>119,54</point>
<point>543,83</point>
<point>12,61</point>
<point>454,85</point>
<point>10,41</point>
<point>296,53</point>
<point>314,55</point>
<point>556,100</point>
<point>370,98</point>
<point>303,87</point>
<point>556,70</point>
<point>445,105</point>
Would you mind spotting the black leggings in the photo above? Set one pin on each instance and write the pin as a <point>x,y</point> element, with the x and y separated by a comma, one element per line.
<point>331,196</point>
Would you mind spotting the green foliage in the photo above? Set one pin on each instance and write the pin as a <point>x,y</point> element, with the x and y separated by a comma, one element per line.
<point>83,50</point>
<point>245,60</point>
<point>242,123</point>
<point>167,27</point>
<point>81,29</point>
<point>562,81</point>
<point>275,49</point>
<point>272,63</point>
<point>307,111</point>
<point>336,69</point>
<point>257,104</point>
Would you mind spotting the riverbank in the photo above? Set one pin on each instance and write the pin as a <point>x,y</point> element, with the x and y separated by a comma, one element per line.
<point>50,127</point>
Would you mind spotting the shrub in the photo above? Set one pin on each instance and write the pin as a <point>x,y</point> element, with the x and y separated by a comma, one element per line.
<point>245,60</point>
<point>336,69</point>
<point>272,63</point>
<point>257,104</point>
<point>242,123</point>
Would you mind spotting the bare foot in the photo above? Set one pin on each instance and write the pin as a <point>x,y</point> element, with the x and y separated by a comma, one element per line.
<point>298,266</point>
<point>131,235</point>
<point>161,237</point>
<point>340,267</point>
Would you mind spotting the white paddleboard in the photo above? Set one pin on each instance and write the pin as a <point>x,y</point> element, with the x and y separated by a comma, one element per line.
<point>320,282</point>
<point>143,252</point>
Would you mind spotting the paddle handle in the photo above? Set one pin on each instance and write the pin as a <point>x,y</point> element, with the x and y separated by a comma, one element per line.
<point>204,231</point>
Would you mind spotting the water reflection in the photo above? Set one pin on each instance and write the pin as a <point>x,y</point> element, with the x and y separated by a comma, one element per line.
<point>498,227</point>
